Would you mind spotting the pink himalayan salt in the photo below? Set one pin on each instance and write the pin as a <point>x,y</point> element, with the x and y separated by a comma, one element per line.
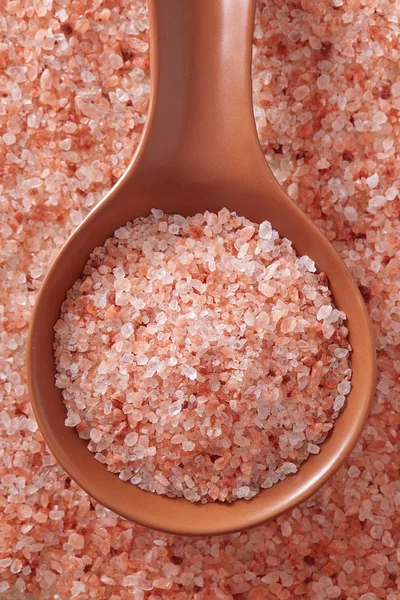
<point>239,384</point>
<point>77,541</point>
<point>362,78</point>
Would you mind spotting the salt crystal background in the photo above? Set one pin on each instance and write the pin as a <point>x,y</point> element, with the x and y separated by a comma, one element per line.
<point>71,115</point>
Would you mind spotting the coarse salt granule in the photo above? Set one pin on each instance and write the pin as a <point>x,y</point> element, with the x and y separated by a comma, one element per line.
<point>218,386</point>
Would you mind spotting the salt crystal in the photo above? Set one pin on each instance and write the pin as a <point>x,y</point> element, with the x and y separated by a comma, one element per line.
<point>308,264</point>
<point>339,402</point>
<point>189,372</point>
<point>350,213</point>
<point>9,138</point>
<point>395,89</point>
<point>286,529</point>
<point>377,202</point>
<point>243,491</point>
<point>323,82</point>
<point>380,117</point>
<point>77,541</point>
<point>127,330</point>
<point>131,439</point>
<point>373,181</point>
<point>288,468</point>
<point>301,92</point>
<point>188,446</point>
<point>265,230</point>
<point>344,387</point>
<point>313,449</point>
<point>324,312</point>
<point>391,193</point>
<point>95,435</point>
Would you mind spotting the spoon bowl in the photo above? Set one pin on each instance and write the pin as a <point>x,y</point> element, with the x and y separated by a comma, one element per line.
<point>199,152</point>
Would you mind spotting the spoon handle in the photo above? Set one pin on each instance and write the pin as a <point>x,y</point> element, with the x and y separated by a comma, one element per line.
<point>201,101</point>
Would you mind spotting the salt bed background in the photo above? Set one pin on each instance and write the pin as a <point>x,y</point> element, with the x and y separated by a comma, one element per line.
<point>74,86</point>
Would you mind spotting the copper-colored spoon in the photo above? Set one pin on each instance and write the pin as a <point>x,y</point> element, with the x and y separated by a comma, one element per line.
<point>199,152</point>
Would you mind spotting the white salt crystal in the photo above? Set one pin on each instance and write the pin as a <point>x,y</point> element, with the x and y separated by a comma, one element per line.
<point>174,229</point>
<point>188,446</point>
<point>9,139</point>
<point>373,181</point>
<point>293,191</point>
<point>115,60</point>
<point>391,193</point>
<point>127,330</point>
<point>122,233</point>
<point>72,419</point>
<point>199,581</point>
<point>377,202</point>
<point>322,164</point>
<point>350,213</point>
<point>189,372</point>
<point>62,15</point>
<point>243,491</point>
<point>341,352</point>
<point>76,217</point>
<point>313,448</point>
<point>141,359</point>
<point>379,117</point>
<point>249,318</point>
<point>152,367</point>
<point>265,230</point>
<point>131,438</point>
<point>324,312</point>
<point>267,290</point>
<point>95,435</point>
<point>344,387</point>
<point>157,213</point>
<point>137,303</point>
<point>288,468</point>
<point>339,402</point>
<point>243,250</point>
<point>189,481</point>
<point>307,263</point>
<point>102,368</point>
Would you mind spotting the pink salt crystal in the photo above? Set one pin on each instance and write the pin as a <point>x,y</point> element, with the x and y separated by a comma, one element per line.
<point>162,583</point>
<point>95,435</point>
<point>77,541</point>
<point>286,529</point>
<point>353,471</point>
<point>301,92</point>
<point>188,446</point>
<point>192,346</point>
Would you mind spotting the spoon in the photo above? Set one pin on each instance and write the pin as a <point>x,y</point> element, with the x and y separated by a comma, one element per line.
<point>199,152</point>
